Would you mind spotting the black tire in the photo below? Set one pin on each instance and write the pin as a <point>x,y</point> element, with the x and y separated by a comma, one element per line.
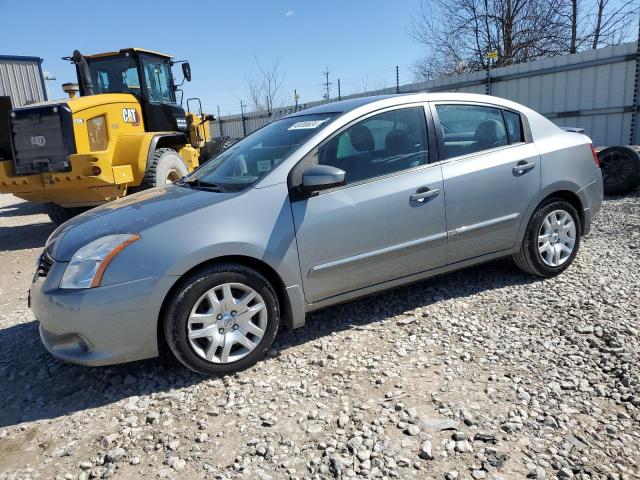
<point>528,259</point>
<point>167,165</point>
<point>59,215</point>
<point>190,290</point>
<point>620,169</point>
<point>215,147</point>
<point>228,142</point>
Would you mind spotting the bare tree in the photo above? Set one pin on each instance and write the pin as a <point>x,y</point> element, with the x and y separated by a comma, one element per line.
<point>614,22</point>
<point>458,34</point>
<point>573,43</point>
<point>264,85</point>
<point>600,23</point>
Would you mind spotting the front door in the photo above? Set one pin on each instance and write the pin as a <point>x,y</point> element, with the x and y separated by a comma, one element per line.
<point>387,222</point>
<point>491,175</point>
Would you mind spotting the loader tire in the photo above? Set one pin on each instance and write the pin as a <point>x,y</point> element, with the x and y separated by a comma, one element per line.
<point>59,215</point>
<point>167,167</point>
<point>228,142</point>
<point>215,147</point>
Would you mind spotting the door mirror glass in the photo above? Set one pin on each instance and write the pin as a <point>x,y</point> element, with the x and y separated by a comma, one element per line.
<point>186,71</point>
<point>322,177</point>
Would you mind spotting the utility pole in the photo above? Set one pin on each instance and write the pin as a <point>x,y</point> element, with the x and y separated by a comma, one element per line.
<point>244,120</point>
<point>296,97</point>
<point>491,56</point>
<point>339,94</point>
<point>327,84</point>
<point>220,121</point>
<point>636,93</point>
<point>397,80</point>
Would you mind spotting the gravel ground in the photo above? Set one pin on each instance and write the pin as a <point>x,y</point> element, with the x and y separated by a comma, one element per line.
<point>484,373</point>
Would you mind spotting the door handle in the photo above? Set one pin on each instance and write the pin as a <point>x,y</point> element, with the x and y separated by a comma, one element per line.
<point>421,195</point>
<point>522,167</point>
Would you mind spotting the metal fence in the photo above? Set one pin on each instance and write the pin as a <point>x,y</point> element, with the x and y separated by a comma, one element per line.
<point>596,90</point>
<point>21,79</point>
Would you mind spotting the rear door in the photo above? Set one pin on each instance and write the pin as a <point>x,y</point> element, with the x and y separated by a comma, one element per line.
<point>491,173</point>
<point>387,222</point>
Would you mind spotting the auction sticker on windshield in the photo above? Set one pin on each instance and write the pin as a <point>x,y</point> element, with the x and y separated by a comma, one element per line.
<point>263,165</point>
<point>309,124</point>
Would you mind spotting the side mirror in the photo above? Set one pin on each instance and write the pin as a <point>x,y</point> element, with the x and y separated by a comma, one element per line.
<point>322,177</point>
<point>186,71</point>
<point>208,118</point>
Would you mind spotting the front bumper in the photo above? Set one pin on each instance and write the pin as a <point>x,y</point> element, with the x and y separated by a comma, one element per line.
<point>99,326</point>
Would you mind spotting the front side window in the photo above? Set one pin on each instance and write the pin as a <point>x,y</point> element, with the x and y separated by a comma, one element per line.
<point>471,128</point>
<point>157,76</point>
<point>386,143</point>
<point>114,75</point>
<point>258,154</point>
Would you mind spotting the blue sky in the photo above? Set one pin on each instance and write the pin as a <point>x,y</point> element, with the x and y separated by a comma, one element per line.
<point>360,41</point>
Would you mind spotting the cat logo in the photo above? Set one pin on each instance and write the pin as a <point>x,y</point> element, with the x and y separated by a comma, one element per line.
<point>130,115</point>
<point>39,141</point>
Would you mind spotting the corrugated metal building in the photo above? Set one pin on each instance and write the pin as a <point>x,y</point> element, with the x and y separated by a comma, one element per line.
<point>21,79</point>
<point>596,90</point>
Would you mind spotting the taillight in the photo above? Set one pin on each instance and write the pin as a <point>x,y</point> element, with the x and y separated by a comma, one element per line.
<point>595,155</point>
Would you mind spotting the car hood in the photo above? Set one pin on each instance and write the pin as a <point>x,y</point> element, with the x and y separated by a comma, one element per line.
<point>132,214</point>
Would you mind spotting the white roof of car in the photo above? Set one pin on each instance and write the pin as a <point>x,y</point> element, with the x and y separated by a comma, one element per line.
<point>381,101</point>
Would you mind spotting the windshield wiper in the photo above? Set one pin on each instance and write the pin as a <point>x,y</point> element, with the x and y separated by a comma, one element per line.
<point>201,185</point>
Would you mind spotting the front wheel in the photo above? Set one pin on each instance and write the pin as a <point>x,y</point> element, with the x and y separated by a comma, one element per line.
<point>167,167</point>
<point>551,240</point>
<point>221,319</point>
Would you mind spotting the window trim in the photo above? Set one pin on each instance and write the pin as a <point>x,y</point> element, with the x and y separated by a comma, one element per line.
<point>526,130</point>
<point>311,157</point>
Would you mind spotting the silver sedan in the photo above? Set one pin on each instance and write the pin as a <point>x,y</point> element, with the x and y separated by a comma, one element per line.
<point>326,205</point>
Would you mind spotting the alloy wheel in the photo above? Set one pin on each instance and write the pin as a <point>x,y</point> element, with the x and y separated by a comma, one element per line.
<point>615,168</point>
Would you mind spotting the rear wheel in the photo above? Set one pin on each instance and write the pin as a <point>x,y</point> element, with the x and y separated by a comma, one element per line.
<point>59,215</point>
<point>551,240</point>
<point>221,319</point>
<point>167,167</point>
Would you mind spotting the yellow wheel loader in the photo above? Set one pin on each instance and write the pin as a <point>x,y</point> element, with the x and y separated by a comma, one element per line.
<point>125,132</point>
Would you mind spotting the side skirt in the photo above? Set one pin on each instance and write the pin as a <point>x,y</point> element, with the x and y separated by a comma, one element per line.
<point>402,281</point>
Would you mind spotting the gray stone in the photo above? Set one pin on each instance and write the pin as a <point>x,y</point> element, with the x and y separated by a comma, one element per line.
<point>425,451</point>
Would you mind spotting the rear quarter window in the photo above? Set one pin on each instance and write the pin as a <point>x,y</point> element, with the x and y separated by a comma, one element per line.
<point>514,126</point>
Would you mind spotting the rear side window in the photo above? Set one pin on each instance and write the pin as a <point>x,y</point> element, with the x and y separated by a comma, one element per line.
<point>514,126</point>
<point>471,128</point>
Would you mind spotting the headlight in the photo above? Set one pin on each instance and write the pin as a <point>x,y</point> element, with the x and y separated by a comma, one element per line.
<point>97,131</point>
<point>87,266</point>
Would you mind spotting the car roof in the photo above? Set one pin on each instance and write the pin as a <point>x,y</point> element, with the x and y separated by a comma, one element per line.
<point>382,101</point>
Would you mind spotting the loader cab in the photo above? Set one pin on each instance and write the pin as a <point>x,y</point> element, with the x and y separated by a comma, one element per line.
<point>142,73</point>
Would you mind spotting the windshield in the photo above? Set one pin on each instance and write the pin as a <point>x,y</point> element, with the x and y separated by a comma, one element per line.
<point>256,155</point>
<point>114,75</point>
